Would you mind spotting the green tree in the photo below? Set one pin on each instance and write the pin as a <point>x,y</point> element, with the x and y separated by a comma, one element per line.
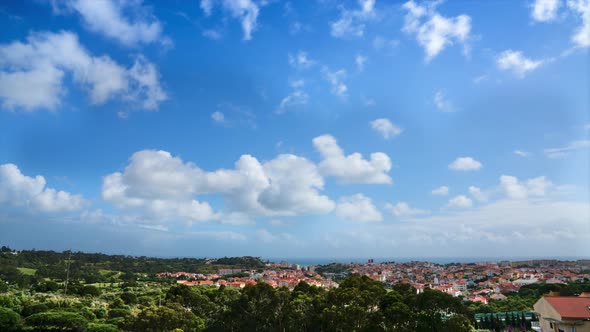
<point>9,320</point>
<point>59,321</point>
<point>432,307</point>
<point>3,286</point>
<point>93,327</point>
<point>457,323</point>
<point>164,319</point>
<point>353,305</point>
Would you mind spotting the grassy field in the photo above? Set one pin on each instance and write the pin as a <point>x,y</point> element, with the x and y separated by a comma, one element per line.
<point>27,271</point>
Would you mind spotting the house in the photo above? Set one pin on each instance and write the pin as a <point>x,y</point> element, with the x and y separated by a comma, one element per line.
<point>498,297</point>
<point>564,313</point>
<point>478,298</point>
<point>460,285</point>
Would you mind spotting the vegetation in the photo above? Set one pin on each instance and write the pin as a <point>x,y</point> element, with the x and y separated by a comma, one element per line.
<point>113,293</point>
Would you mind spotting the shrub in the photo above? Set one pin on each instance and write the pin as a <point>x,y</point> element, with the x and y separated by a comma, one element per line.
<point>102,328</point>
<point>9,320</point>
<point>60,321</point>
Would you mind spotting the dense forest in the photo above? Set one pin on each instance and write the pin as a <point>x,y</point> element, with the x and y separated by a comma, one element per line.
<point>121,293</point>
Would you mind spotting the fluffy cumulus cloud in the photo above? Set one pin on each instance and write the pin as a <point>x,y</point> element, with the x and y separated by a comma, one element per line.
<point>244,10</point>
<point>478,194</point>
<point>440,191</point>
<point>545,10</point>
<point>460,201</point>
<point>156,188</point>
<point>351,168</point>
<point>515,189</point>
<point>357,208</point>
<point>351,23</point>
<point>581,37</point>
<point>126,21</point>
<point>31,74</point>
<point>294,186</point>
<point>402,209</point>
<point>518,224</point>
<point>21,191</point>
<point>549,11</point>
<point>566,150</point>
<point>465,164</point>
<point>385,128</point>
<point>160,187</point>
<point>434,31</point>
<point>517,63</point>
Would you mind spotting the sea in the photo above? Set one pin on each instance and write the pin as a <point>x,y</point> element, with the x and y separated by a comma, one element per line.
<point>437,260</point>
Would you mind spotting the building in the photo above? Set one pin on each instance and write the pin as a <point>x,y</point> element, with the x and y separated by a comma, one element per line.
<point>564,313</point>
<point>460,285</point>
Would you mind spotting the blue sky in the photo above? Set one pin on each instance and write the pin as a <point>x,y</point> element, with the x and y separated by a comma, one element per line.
<point>296,129</point>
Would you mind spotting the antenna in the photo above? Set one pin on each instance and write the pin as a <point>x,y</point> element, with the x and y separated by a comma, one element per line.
<point>68,272</point>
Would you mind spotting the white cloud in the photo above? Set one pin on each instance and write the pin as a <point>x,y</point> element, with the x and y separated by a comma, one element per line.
<point>265,236</point>
<point>460,201</point>
<point>207,6</point>
<point>294,185</point>
<point>352,168</point>
<point>218,117</point>
<point>514,189</point>
<point>465,164</point>
<point>231,115</point>
<point>479,195</point>
<point>352,22</point>
<point>402,209</point>
<point>336,79</point>
<point>109,18</point>
<point>432,30</point>
<point>358,208</point>
<point>581,38</point>
<point>301,60</point>
<point>441,191</point>
<point>296,98</point>
<point>19,190</point>
<point>385,45</point>
<point>44,60</point>
<point>480,78</point>
<point>522,153</point>
<point>442,103</point>
<point>144,82</point>
<point>158,187</point>
<point>545,10</point>
<point>212,34</point>
<point>538,186</point>
<point>277,222</point>
<point>244,10</point>
<point>385,128</point>
<point>360,61</point>
<point>517,63</point>
<point>567,149</point>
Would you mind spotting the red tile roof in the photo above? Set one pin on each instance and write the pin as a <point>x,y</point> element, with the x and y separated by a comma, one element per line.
<point>570,306</point>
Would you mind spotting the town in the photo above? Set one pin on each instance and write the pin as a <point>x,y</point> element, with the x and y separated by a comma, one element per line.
<point>476,282</point>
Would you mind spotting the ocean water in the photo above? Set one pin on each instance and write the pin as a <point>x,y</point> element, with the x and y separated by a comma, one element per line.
<point>437,260</point>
